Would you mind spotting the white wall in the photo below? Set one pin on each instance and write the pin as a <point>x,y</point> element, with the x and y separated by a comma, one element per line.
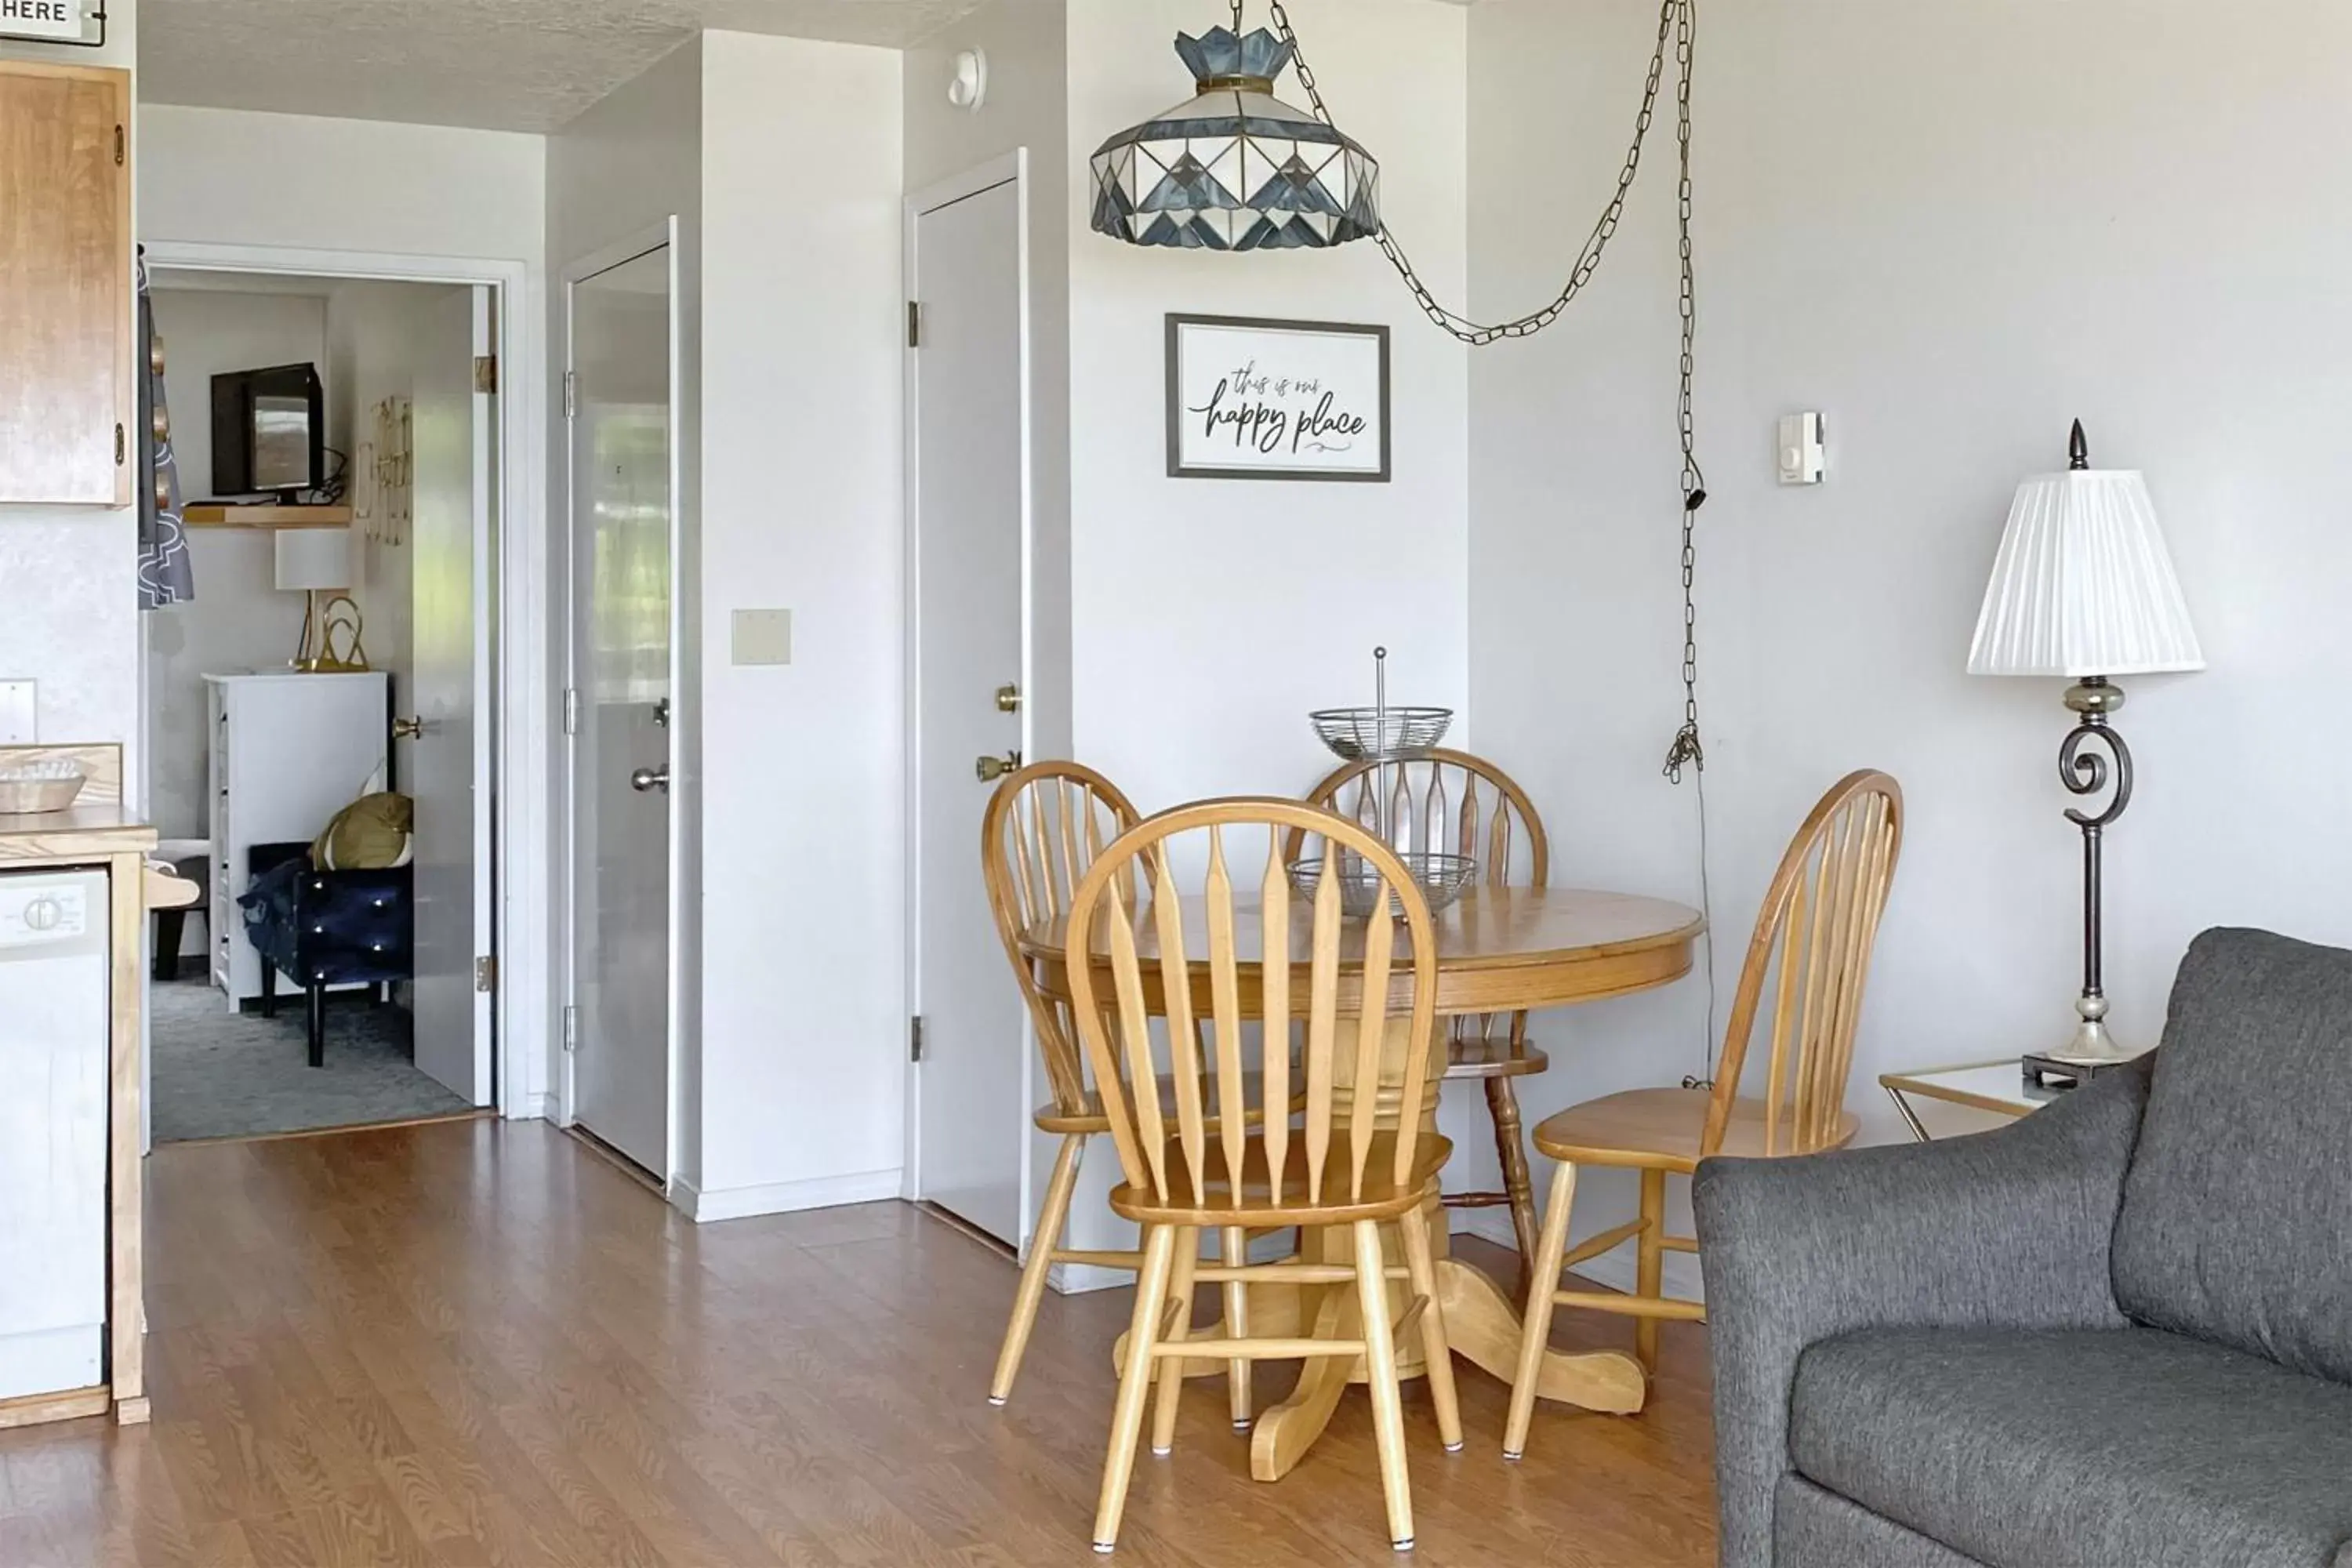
<point>1237,606</point>
<point>238,620</point>
<point>69,577</point>
<point>803,1026</point>
<point>1953,232</point>
<point>633,162</point>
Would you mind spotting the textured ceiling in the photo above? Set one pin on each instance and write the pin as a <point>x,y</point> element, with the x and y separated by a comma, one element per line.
<point>499,65</point>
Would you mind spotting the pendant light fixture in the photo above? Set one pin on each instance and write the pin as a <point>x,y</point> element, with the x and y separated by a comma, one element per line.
<point>1235,168</point>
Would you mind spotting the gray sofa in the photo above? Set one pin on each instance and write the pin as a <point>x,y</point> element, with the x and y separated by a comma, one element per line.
<point>2118,1334</point>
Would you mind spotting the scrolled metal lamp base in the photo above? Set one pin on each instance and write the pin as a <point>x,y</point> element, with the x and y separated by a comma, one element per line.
<point>2092,760</point>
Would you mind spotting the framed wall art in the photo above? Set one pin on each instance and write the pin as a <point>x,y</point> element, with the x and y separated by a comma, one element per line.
<point>1252,399</point>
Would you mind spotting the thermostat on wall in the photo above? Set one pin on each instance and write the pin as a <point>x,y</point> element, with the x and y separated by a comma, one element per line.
<point>1802,460</point>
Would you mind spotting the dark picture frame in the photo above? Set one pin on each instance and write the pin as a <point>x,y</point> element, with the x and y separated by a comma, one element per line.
<point>1282,424</point>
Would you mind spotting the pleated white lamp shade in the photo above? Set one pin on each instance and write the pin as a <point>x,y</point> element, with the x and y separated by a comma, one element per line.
<point>2083,585</point>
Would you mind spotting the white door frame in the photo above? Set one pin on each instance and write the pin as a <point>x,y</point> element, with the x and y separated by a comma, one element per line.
<point>514,696</point>
<point>603,259</point>
<point>1011,168</point>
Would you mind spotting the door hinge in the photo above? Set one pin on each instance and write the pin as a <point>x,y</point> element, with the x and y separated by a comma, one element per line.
<point>485,972</point>
<point>571,711</point>
<point>121,147</point>
<point>486,373</point>
<point>914,325</point>
<point>122,445</point>
<point>571,1028</point>
<point>914,1038</point>
<point>571,394</point>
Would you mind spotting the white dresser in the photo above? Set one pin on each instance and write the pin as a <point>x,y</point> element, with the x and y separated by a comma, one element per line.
<point>289,751</point>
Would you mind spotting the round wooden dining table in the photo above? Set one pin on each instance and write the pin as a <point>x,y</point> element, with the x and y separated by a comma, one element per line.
<point>1499,950</point>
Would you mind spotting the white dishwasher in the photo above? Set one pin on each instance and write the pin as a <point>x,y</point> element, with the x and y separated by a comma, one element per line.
<point>53,1087</point>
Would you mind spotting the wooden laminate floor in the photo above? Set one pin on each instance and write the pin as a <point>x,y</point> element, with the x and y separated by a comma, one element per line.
<point>477,1343</point>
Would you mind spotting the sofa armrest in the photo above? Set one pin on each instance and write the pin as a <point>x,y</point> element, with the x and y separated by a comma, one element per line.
<point>2010,1227</point>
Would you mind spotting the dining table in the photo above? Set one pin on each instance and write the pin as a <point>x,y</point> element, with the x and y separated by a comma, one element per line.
<point>1499,951</point>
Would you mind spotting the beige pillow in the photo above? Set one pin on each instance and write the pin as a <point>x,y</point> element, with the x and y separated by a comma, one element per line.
<point>370,833</point>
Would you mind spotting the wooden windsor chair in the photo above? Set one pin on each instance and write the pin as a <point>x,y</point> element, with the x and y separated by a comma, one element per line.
<point>1811,951</point>
<point>1044,826</point>
<point>1456,803</point>
<point>1358,1160</point>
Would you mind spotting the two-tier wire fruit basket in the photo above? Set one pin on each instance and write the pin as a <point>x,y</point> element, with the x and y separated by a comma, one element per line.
<point>1389,738</point>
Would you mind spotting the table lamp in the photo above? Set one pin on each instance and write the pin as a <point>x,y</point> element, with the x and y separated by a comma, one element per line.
<point>2083,588</point>
<point>312,561</point>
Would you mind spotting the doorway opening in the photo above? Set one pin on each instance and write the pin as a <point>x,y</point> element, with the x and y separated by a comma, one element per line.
<point>320,737</point>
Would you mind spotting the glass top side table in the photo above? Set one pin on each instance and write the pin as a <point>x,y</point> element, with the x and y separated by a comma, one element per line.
<point>1997,1087</point>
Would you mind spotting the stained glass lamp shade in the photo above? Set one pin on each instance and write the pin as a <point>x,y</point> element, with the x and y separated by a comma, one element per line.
<point>1237,168</point>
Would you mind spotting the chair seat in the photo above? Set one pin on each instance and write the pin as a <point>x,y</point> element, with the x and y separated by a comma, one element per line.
<point>1089,1118</point>
<point>1259,1206</point>
<point>2036,1449</point>
<point>1493,1057</point>
<point>1662,1128</point>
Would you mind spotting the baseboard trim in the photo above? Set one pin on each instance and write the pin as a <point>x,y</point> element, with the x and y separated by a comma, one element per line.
<point>1612,1269</point>
<point>710,1206</point>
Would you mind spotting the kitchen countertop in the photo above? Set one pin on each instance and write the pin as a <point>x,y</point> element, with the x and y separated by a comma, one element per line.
<point>81,833</point>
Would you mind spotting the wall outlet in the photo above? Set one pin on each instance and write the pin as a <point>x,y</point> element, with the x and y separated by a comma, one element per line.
<point>18,712</point>
<point>763,636</point>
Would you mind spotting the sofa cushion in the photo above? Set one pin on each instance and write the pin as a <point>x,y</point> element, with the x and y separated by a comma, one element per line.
<point>2236,1223</point>
<point>2080,1447</point>
<point>1812,1526</point>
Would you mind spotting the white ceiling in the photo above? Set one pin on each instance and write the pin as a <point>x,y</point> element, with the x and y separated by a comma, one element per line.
<point>499,65</point>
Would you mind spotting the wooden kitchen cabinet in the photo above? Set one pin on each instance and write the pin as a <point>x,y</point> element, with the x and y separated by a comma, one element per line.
<point>67,402</point>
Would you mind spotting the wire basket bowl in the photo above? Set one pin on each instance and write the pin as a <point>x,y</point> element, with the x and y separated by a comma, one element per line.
<point>1380,734</point>
<point>1442,880</point>
<point>42,786</point>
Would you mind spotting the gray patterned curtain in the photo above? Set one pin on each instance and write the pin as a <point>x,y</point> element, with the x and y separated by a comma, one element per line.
<point>164,574</point>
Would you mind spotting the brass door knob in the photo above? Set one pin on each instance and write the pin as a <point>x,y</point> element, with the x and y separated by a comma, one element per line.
<point>408,728</point>
<point>1008,700</point>
<point>992,769</point>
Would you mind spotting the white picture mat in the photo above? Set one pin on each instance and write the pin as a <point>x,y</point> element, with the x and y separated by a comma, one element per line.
<point>1277,400</point>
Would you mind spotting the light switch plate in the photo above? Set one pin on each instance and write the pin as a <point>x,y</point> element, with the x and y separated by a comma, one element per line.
<point>763,636</point>
<point>19,713</point>
<point>1802,457</point>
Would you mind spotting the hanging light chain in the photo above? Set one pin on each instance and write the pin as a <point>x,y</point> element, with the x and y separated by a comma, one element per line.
<point>1688,749</point>
<point>1672,15</point>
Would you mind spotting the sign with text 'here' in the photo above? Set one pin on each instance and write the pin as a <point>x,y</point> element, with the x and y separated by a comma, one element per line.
<point>51,21</point>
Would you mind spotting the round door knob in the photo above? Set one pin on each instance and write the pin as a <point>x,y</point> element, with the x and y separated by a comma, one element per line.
<point>645,780</point>
<point>408,728</point>
<point>991,768</point>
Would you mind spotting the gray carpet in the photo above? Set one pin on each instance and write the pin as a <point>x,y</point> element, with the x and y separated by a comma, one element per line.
<point>219,1074</point>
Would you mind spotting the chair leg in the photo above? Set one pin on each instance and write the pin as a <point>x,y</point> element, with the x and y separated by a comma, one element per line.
<point>1649,1269</point>
<point>1502,1102</point>
<point>1134,1382</point>
<point>1380,1371</point>
<point>1421,1270</point>
<point>318,1024</point>
<point>1535,1329</point>
<point>170,926</point>
<point>1237,1373</point>
<point>1172,1370</point>
<point>1042,1244</point>
<point>268,989</point>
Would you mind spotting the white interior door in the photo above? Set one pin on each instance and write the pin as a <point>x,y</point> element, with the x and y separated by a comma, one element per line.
<point>970,506</point>
<point>624,496</point>
<point>446,768</point>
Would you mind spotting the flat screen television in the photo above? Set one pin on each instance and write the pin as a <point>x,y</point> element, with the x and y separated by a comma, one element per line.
<point>269,431</point>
